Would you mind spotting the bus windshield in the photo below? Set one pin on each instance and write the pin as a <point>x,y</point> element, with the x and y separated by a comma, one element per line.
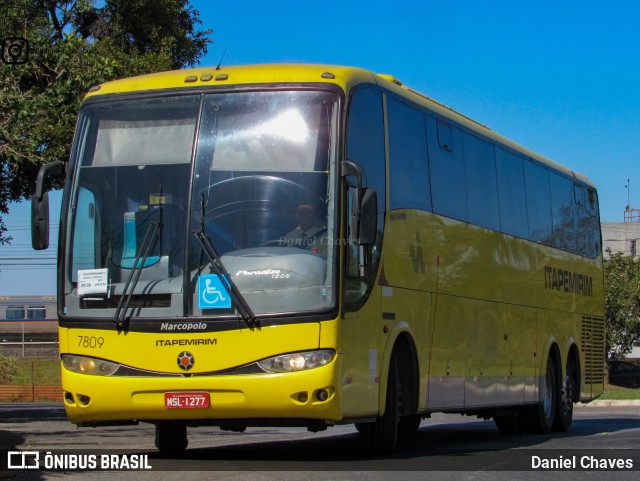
<point>250,172</point>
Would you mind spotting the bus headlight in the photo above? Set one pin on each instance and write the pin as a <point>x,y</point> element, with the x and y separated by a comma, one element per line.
<point>89,365</point>
<point>298,361</point>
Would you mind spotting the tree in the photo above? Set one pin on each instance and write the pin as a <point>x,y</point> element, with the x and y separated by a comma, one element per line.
<point>55,50</point>
<point>622,303</point>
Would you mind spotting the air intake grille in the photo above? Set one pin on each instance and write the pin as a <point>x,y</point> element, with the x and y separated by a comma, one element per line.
<point>593,348</point>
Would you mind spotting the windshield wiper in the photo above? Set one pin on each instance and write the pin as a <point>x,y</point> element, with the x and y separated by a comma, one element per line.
<point>239,302</point>
<point>122,322</point>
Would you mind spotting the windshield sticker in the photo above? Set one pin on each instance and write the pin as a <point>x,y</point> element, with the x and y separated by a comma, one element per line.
<point>92,281</point>
<point>212,293</point>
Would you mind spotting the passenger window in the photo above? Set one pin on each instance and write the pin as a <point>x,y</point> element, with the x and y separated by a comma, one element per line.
<point>511,194</point>
<point>447,171</point>
<point>562,203</point>
<point>482,188</point>
<point>538,202</point>
<point>409,170</point>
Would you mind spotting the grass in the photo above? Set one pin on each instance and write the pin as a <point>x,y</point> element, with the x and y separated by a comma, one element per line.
<point>617,393</point>
<point>38,372</point>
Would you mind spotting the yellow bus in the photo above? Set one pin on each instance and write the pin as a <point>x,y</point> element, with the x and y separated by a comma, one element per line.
<point>312,245</point>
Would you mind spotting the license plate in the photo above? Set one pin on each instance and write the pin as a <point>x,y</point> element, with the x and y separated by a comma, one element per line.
<point>186,400</point>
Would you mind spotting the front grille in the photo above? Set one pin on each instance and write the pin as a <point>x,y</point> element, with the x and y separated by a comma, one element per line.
<point>593,348</point>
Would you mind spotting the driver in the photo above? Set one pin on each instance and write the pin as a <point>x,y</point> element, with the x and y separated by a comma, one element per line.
<point>310,233</point>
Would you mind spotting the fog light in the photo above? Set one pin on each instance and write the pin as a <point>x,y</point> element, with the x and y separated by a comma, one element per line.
<point>303,397</point>
<point>84,400</point>
<point>322,395</point>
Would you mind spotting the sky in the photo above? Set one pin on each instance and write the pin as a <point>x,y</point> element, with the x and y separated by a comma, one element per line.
<point>561,78</point>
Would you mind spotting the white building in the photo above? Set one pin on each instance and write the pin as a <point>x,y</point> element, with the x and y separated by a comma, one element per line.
<point>621,237</point>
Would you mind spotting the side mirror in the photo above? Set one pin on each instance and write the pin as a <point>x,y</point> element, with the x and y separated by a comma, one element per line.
<point>40,222</point>
<point>368,217</point>
<point>364,216</point>
<point>40,205</point>
<point>364,207</point>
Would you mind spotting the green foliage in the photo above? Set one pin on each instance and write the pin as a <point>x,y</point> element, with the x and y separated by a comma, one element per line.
<point>8,369</point>
<point>74,45</point>
<point>622,304</point>
<point>39,372</point>
<point>616,393</point>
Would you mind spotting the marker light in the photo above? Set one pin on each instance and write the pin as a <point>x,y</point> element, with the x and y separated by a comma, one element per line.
<point>89,365</point>
<point>298,361</point>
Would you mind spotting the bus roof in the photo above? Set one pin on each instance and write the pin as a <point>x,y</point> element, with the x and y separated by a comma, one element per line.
<point>344,77</point>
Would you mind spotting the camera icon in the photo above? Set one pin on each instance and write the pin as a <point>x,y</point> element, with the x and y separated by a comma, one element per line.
<point>15,50</point>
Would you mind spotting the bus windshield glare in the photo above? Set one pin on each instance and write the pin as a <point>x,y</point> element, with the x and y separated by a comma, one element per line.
<point>253,172</point>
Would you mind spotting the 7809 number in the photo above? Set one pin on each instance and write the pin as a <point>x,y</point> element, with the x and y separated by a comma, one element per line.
<point>90,341</point>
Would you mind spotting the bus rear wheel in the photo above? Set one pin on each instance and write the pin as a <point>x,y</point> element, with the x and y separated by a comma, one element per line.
<point>539,419</point>
<point>564,416</point>
<point>171,438</point>
<point>382,435</point>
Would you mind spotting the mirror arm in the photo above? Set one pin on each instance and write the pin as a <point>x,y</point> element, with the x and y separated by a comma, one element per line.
<point>351,168</point>
<point>52,169</point>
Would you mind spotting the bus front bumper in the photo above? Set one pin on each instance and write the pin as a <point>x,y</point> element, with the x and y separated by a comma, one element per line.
<point>305,395</point>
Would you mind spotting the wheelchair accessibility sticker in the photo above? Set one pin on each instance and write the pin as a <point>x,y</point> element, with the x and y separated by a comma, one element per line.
<point>212,293</point>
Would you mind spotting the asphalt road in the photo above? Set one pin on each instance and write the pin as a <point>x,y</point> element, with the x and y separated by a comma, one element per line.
<point>447,447</point>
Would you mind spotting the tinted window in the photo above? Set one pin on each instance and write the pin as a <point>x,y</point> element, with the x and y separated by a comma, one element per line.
<point>15,312</point>
<point>448,180</point>
<point>538,202</point>
<point>409,172</point>
<point>365,139</point>
<point>511,194</point>
<point>587,222</point>
<point>366,147</point>
<point>595,241</point>
<point>36,312</point>
<point>564,229</point>
<point>482,189</point>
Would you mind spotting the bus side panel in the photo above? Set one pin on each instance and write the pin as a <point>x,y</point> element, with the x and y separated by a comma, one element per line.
<point>411,311</point>
<point>447,355</point>
<point>360,337</point>
<point>520,326</point>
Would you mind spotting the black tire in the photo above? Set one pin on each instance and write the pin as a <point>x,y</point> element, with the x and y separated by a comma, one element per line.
<point>564,414</point>
<point>539,419</point>
<point>409,425</point>
<point>360,427</point>
<point>381,436</point>
<point>171,438</point>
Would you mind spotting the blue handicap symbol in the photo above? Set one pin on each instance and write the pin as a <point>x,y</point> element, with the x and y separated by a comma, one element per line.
<point>212,293</point>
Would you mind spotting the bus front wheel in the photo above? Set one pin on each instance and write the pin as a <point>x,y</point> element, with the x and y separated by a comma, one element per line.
<point>381,436</point>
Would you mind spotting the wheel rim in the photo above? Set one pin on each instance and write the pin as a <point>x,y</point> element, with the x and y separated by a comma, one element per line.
<point>567,396</point>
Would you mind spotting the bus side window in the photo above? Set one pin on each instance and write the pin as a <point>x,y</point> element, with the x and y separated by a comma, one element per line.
<point>562,212</point>
<point>365,147</point>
